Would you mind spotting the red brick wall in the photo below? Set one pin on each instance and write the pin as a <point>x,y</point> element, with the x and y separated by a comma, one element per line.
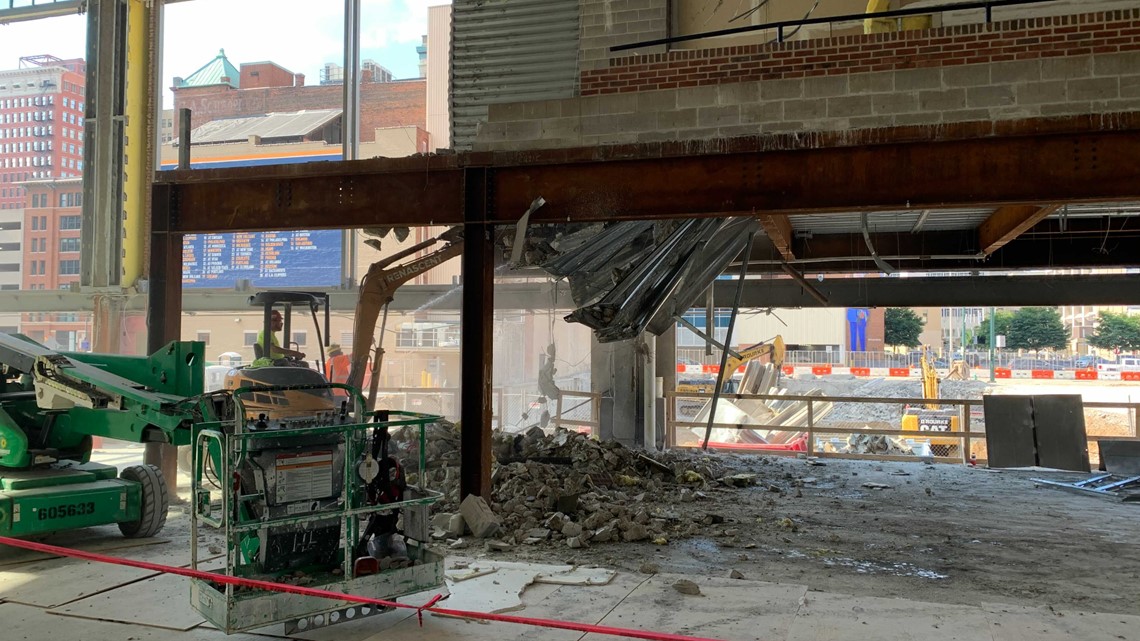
<point>264,74</point>
<point>1093,33</point>
<point>382,104</point>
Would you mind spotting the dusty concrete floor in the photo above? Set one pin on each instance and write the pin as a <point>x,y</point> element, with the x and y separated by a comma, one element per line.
<point>940,533</point>
<point>1015,561</point>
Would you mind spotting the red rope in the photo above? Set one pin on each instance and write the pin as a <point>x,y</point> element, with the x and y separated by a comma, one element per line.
<point>304,591</point>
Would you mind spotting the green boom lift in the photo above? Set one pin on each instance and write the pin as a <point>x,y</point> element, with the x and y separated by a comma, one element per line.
<point>315,491</point>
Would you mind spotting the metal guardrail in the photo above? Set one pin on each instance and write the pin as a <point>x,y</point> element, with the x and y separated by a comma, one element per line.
<point>968,413</point>
<point>885,360</point>
<point>987,5</point>
<point>574,404</point>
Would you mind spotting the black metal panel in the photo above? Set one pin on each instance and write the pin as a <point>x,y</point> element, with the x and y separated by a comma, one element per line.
<point>1009,431</point>
<point>1119,456</point>
<point>1059,421</point>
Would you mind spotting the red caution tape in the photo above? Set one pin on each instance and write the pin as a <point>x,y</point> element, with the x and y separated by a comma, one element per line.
<point>325,594</point>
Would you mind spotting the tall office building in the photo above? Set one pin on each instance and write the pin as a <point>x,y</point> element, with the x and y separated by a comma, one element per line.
<point>41,124</point>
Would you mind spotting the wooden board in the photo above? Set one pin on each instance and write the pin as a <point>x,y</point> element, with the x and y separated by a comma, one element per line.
<point>161,601</point>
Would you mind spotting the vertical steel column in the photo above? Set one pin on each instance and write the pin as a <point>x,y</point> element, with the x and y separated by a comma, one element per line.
<point>164,307</point>
<point>101,242</point>
<point>350,117</point>
<point>101,265</point>
<point>164,298</point>
<point>476,339</point>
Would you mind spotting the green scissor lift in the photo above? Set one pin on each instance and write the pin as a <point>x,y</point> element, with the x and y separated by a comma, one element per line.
<point>53,403</point>
<point>223,448</point>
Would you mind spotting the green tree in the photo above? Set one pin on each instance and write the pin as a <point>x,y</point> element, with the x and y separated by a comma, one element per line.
<point>1116,331</point>
<point>902,327</point>
<point>1037,328</point>
<point>1002,321</point>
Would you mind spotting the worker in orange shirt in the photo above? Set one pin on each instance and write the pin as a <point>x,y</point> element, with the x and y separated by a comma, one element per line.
<point>337,367</point>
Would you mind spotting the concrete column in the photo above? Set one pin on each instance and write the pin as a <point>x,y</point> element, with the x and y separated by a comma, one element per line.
<point>623,373</point>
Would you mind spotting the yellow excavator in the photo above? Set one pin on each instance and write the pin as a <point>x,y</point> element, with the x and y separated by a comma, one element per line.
<point>931,417</point>
<point>774,350</point>
<point>377,288</point>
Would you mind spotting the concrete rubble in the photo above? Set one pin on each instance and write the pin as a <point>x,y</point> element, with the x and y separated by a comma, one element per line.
<point>567,490</point>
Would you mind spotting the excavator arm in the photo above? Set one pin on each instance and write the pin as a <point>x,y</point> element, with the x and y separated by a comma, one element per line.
<point>378,287</point>
<point>774,350</point>
<point>929,380</point>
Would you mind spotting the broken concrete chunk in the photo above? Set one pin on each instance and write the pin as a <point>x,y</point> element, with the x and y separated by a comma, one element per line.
<point>539,533</point>
<point>576,542</point>
<point>636,532</point>
<point>685,586</point>
<point>605,534</point>
<point>440,520</point>
<point>876,486</point>
<point>736,574</point>
<point>495,545</point>
<point>556,521</point>
<point>571,529</point>
<point>739,480</point>
<point>649,568</point>
<point>479,517</point>
<point>456,526</point>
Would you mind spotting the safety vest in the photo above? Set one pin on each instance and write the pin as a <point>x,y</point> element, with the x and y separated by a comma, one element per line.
<point>336,371</point>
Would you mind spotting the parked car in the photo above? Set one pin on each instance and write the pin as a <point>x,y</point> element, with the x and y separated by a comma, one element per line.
<point>1089,361</point>
<point>1125,364</point>
<point>1032,363</point>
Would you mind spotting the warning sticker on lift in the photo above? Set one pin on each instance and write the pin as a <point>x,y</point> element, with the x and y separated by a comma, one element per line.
<point>304,476</point>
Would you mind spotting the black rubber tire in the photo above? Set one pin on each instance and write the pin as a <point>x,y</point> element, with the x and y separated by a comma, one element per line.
<point>155,501</point>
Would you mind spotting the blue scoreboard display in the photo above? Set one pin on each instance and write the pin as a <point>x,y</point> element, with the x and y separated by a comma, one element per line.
<point>291,259</point>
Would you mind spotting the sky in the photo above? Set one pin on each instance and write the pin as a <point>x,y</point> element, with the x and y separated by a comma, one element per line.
<point>300,35</point>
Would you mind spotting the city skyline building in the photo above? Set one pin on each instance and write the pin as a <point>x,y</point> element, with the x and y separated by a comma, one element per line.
<point>42,109</point>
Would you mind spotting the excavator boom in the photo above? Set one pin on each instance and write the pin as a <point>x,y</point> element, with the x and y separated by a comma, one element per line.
<point>378,287</point>
<point>774,350</point>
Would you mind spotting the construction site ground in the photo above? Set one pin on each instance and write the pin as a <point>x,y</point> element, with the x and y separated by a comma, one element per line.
<point>984,555</point>
<point>828,549</point>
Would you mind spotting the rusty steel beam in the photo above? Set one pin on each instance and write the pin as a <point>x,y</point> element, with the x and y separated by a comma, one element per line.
<point>164,312</point>
<point>419,191</point>
<point>1035,161</point>
<point>1008,223</point>
<point>778,228</point>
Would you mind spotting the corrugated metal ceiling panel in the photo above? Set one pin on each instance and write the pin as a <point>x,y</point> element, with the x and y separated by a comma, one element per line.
<point>509,51</point>
<point>890,221</point>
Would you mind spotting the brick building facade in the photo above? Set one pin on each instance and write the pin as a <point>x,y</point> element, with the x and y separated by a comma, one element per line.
<point>41,123</point>
<point>51,240</point>
<point>265,87</point>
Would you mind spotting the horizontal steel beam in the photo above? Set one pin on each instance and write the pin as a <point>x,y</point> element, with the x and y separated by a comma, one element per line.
<point>514,296</point>
<point>1050,160</point>
<point>980,291</point>
<point>23,10</point>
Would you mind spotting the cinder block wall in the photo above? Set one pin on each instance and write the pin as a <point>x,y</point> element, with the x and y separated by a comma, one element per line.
<point>1052,66</point>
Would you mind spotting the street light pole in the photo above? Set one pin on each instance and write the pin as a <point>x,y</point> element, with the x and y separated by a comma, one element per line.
<point>993,325</point>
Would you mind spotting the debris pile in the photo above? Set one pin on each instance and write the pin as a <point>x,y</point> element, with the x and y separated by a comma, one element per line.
<point>566,489</point>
